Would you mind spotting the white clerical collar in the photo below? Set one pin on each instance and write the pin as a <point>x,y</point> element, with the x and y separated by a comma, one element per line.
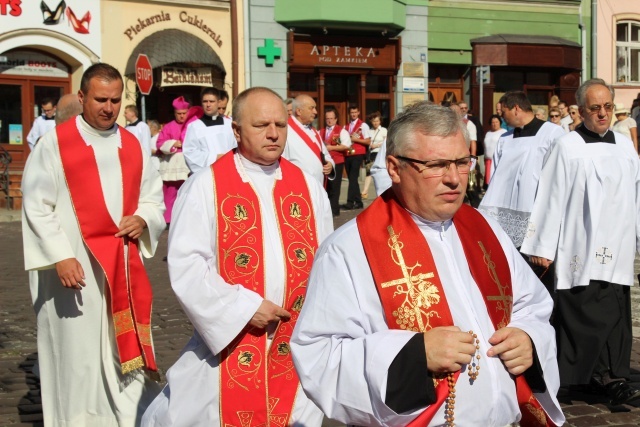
<point>435,225</point>
<point>246,167</point>
<point>85,127</point>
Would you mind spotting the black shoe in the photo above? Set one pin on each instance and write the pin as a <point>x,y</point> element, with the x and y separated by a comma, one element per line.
<point>335,214</point>
<point>358,205</point>
<point>348,206</point>
<point>164,259</point>
<point>622,392</point>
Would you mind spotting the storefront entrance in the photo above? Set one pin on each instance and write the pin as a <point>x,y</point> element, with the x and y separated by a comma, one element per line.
<point>26,78</point>
<point>340,72</point>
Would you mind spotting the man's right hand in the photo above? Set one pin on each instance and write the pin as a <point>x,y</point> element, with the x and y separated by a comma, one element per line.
<point>268,312</point>
<point>448,348</point>
<point>70,273</point>
<point>540,261</point>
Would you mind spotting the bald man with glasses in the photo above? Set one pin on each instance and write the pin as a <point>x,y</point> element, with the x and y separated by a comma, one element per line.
<point>585,221</point>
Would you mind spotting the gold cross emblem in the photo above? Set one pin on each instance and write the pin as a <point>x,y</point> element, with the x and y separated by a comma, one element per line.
<point>505,302</point>
<point>419,294</point>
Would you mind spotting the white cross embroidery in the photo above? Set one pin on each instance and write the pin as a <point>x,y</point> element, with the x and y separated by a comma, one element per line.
<point>604,255</point>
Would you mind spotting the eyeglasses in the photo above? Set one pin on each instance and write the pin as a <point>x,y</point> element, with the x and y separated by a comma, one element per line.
<point>439,167</point>
<point>554,115</point>
<point>596,108</point>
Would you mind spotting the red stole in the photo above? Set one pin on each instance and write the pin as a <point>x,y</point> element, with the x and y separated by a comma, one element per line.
<point>314,146</point>
<point>411,292</point>
<point>258,384</point>
<point>334,139</point>
<point>128,285</point>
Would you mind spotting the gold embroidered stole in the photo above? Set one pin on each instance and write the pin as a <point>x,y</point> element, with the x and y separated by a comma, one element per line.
<point>411,292</point>
<point>258,382</point>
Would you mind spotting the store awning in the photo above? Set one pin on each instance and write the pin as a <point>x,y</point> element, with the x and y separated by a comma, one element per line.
<point>174,46</point>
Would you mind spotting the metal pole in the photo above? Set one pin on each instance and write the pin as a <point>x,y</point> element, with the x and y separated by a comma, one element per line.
<point>481,92</point>
<point>144,113</point>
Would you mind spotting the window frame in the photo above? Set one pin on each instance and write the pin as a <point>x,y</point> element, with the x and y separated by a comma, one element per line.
<point>625,76</point>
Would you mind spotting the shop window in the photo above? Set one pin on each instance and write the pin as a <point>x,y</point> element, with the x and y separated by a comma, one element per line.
<point>378,84</point>
<point>628,51</point>
<point>302,82</point>
<point>445,74</point>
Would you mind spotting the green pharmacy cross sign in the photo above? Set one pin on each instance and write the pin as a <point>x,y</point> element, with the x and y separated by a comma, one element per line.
<point>269,52</point>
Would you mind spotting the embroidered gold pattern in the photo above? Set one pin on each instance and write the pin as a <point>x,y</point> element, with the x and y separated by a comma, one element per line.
<point>144,333</point>
<point>283,349</point>
<point>245,358</point>
<point>294,210</point>
<point>122,322</point>
<point>240,212</point>
<point>242,259</point>
<point>297,304</point>
<point>536,412</point>
<point>240,262</point>
<point>245,418</point>
<point>504,301</point>
<point>132,365</point>
<point>419,294</point>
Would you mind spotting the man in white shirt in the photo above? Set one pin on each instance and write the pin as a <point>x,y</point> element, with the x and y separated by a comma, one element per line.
<point>209,137</point>
<point>241,244</point>
<point>586,221</point>
<point>407,301</point>
<point>42,124</point>
<point>360,140</point>
<point>137,127</point>
<point>305,147</point>
<point>337,141</point>
<point>92,207</point>
<point>565,117</point>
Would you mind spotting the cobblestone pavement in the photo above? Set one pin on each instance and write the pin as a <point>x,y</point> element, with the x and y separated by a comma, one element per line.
<point>20,403</point>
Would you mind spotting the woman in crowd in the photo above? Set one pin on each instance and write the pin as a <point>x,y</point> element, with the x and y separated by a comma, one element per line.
<point>490,143</point>
<point>625,124</point>
<point>378,137</point>
<point>575,115</point>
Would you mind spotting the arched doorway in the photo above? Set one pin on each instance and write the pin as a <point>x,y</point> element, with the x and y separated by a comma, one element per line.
<point>182,65</point>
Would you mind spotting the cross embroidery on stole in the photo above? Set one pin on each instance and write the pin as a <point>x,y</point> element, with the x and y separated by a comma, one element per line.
<point>419,294</point>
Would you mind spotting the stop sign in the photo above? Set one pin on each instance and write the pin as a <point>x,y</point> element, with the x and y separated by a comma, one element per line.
<point>144,74</point>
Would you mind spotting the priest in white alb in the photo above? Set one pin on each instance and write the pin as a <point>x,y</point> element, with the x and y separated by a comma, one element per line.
<point>420,311</point>
<point>92,206</point>
<point>516,165</point>
<point>586,221</point>
<point>305,147</point>
<point>245,233</point>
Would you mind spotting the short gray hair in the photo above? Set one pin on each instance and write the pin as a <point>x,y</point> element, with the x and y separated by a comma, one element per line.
<point>581,93</point>
<point>299,101</point>
<point>426,118</point>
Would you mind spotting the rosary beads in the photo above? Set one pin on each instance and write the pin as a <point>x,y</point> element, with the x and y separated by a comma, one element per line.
<point>474,366</point>
<point>473,372</point>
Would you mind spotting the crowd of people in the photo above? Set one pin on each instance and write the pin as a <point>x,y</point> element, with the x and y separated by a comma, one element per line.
<point>411,314</point>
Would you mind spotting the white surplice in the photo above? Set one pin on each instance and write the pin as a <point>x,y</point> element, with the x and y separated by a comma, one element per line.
<point>79,366</point>
<point>381,178</point>
<point>141,131</point>
<point>342,346</point>
<point>515,171</point>
<point>298,152</point>
<point>220,310</point>
<point>41,125</point>
<point>203,144</point>
<point>587,211</point>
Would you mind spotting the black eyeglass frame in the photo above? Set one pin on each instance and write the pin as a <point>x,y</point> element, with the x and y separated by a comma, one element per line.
<point>472,159</point>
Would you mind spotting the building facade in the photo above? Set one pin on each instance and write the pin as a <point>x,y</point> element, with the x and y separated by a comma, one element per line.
<point>618,48</point>
<point>45,47</point>
<point>539,46</point>
<point>369,53</point>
